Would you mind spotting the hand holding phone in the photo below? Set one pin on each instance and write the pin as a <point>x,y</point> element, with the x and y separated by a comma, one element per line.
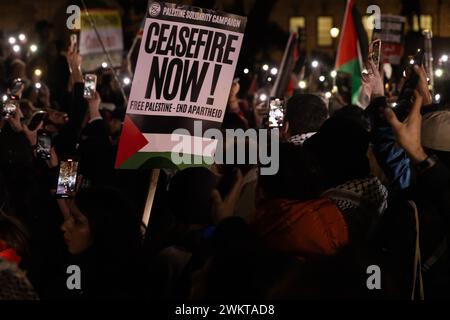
<point>276,112</point>
<point>44,146</point>
<point>375,52</point>
<point>74,42</point>
<point>67,180</point>
<point>90,85</point>
<point>36,119</point>
<point>9,106</point>
<point>17,87</point>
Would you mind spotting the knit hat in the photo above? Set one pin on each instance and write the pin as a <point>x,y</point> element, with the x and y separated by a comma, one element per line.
<point>436,130</point>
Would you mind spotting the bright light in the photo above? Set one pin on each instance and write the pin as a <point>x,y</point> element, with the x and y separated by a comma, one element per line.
<point>334,32</point>
<point>12,40</point>
<point>335,89</point>
<point>411,61</point>
<point>38,85</point>
<point>126,81</point>
<point>444,58</point>
<point>104,65</point>
<point>22,37</point>
<point>328,95</point>
<point>4,98</point>
<point>33,48</point>
<point>16,48</point>
<point>439,73</point>
<point>269,79</point>
<point>302,84</point>
<point>274,71</point>
<point>38,72</point>
<point>315,64</point>
<point>265,67</point>
<point>394,104</point>
<point>321,78</point>
<point>333,74</point>
<point>246,71</point>
<point>437,97</point>
<point>263,97</point>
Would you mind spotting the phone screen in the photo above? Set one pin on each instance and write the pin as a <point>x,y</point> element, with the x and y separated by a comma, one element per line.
<point>9,107</point>
<point>67,178</point>
<point>73,40</point>
<point>44,144</point>
<point>276,112</point>
<point>376,52</point>
<point>90,83</point>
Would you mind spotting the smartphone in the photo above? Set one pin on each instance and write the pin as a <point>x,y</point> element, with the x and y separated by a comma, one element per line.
<point>9,106</point>
<point>74,41</point>
<point>36,119</point>
<point>90,84</point>
<point>16,86</point>
<point>67,179</point>
<point>375,51</point>
<point>412,77</point>
<point>276,112</point>
<point>407,92</point>
<point>44,145</point>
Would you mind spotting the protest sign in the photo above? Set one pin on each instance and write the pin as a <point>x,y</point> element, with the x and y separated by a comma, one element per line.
<point>182,80</point>
<point>109,27</point>
<point>391,35</point>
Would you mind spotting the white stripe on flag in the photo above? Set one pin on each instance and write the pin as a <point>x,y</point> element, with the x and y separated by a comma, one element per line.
<point>188,144</point>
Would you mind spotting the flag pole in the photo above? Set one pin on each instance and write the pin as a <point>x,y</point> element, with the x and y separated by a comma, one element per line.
<point>150,196</point>
<point>106,53</point>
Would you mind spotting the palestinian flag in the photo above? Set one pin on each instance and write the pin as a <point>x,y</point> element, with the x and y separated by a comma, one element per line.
<point>290,56</point>
<point>353,48</point>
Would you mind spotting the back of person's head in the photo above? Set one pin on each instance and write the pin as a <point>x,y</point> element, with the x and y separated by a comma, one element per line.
<point>13,234</point>
<point>114,226</point>
<point>298,178</point>
<point>232,120</point>
<point>341,147</point>
<point>355,114</point>
<point>190,195</point>
<point>435,134</point>
<point>305,113</point>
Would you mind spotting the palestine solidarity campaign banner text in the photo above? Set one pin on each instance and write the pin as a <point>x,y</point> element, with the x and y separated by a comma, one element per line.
<point>182,80</point>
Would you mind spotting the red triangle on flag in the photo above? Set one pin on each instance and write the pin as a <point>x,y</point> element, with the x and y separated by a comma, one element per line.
<point>131,141</point>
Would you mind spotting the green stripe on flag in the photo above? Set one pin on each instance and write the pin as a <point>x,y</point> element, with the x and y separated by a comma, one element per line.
<point>154,160</point>
<point>354,69</point>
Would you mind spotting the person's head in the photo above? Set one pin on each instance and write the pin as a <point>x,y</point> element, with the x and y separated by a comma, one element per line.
<point>298,178</point>
<point>190,195</point>
<point>341,147</point>
<point>355,114</point>
<point>304,113</point>
<point>14,234</point>
<point>17,69</point>
<point>114,119</point>
<point>101,218</point>
<point>435,134</point>
<point>44,30</point>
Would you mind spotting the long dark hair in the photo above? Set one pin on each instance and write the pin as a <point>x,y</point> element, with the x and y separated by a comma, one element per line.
<point>113,222</point>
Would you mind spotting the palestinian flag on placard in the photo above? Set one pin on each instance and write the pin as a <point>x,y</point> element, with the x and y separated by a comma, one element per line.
<point>353,48</point>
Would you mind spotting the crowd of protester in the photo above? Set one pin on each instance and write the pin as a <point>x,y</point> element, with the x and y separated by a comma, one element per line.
<point>356,187</point>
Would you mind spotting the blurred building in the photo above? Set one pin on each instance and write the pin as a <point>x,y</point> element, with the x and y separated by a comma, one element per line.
<point>316,17</point>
